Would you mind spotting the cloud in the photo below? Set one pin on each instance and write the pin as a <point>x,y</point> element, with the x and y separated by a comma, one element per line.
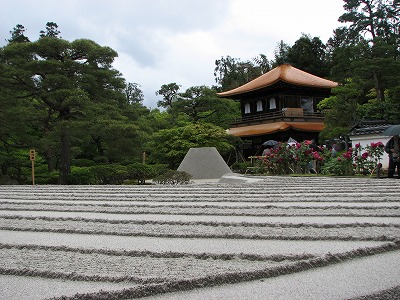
<point>164,41</point>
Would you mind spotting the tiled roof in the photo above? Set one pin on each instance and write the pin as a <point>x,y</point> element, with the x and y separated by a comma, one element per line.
<point>285,73</point>
<point>369,128</point>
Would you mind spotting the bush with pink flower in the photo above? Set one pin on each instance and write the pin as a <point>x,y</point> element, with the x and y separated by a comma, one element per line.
<point>286,159</point>
<point>367,158</point>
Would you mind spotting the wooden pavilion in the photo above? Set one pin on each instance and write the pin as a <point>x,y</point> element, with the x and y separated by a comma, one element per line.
<point>279,105</point>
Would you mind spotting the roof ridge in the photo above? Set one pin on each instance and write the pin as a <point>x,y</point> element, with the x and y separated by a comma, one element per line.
<point>284,72</point>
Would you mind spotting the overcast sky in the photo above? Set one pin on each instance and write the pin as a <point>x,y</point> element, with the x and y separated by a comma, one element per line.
<point>165,41</point>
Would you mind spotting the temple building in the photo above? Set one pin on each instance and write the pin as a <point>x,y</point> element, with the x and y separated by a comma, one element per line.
<point>279,105</point>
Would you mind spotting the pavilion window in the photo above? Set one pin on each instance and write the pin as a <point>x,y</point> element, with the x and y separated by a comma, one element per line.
<point>247,108</point>
<point>307,104</point>
<point>272,103</point>
<point>259,106</point>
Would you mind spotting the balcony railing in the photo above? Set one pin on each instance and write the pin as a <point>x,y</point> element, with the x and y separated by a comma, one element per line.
<point>292,114</point>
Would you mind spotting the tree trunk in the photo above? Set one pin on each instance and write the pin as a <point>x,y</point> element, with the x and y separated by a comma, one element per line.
<point>51,166</point>
<point>380,91</point>
<point>65,165</point>
<point>99,146</point>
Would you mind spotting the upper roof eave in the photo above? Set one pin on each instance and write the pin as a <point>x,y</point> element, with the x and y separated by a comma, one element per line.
<point>285,73</point>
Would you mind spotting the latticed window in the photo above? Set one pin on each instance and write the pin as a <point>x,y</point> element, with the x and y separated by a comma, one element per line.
<point>259,105</point>
<point>272,103</point>
<point>247,108</point>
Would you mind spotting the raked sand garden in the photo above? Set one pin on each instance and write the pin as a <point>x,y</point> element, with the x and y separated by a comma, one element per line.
<point>275,238</point>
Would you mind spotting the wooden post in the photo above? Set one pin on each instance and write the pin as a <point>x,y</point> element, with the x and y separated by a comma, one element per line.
<point>144,158</point>
<point>33,172</point>
<point>32,156</point>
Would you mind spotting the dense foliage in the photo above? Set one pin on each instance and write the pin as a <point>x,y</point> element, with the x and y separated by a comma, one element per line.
<point>87,124</point>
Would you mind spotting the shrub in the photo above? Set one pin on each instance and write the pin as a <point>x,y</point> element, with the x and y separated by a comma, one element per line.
<point>83,162</point>
<point>110,174</point>
<point>140,172</point>
<point>240,167</point>
<point>5,180</point>
<point>42,175</point>
<point>47,177</point>
<point>285,158</point>
<point>366,159</point>
<point>81,175</point>
<point>338,166</point>
<point>173,177</point>
<point>159,168</point>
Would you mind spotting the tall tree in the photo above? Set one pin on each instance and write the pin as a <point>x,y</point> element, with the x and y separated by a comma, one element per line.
<point>308,54</point>
<point>200,103</point>
<point>64,80</point>
<point>51,30</point>
<point>373,18</point>
<point>263,63</point>
<point>133,93</point>
<point>169,93</point>
<point>281,54</point>
<point>377,23</point>
<point>340,110</point>
<point>18,35</point>
<point>231,72</point>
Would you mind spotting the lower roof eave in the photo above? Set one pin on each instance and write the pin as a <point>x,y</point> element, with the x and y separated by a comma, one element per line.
<point>270,128</point>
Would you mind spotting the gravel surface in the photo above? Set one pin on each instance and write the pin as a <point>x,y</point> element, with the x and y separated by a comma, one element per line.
<point>185,245</point>
<point>337,282</point>
<point>204,218</point>
<point>316,235</point>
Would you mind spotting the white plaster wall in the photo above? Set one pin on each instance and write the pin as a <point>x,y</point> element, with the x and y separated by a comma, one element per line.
<point>366,140</point>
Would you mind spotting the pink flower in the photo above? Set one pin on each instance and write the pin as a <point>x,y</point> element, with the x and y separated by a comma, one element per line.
<point>378,144</point>
<point>316,156</point>
<point>339,159</point>
<point>365,155</point>
<point>347,155</point>
<point>358,145</point>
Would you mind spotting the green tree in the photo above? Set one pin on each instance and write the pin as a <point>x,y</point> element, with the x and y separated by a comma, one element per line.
<point>20,129</point>
<point>308,54</point>
<point>365,57</point>
<point>338,123</point>
<point>133,93</point>
<point>262,63</point>
<point>169,146</point>
<point>63,80</point>
<point>169,93</point>
<point>18,35</point>
<point>281,54</point>
<point>51,30</point>
<point>373,18</point>
<point>231,72</point>
<point>201,103</point>
<point>376,23</point>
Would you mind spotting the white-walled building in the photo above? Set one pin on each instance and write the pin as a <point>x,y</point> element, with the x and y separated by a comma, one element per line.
<point>371,132</point>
